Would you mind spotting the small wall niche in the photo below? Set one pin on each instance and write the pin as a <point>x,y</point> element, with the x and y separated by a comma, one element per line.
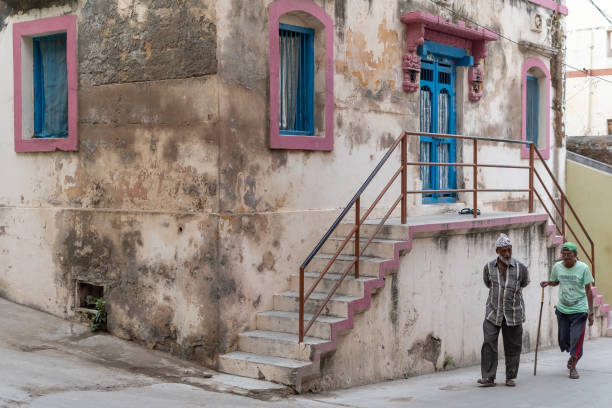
<point>85,295</point>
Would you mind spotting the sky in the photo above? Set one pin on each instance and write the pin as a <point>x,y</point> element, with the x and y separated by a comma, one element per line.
<point>582,14</point>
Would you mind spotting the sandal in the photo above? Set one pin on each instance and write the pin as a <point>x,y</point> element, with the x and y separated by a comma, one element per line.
<point>570,361</point>
<point>510,383</point>
<point>574,374</point>
<point>486,382</point>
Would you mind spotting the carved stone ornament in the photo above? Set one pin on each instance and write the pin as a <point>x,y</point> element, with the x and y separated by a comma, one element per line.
<point>421,26</point>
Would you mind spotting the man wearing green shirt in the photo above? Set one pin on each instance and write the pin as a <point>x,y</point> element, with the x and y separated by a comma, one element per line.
<point>575,304</point>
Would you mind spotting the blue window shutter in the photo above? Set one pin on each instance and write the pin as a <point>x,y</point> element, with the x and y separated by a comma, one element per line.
<point>50,86</point>
<point>532,109</point>
<point>296,80</point>
<point>39,97</point>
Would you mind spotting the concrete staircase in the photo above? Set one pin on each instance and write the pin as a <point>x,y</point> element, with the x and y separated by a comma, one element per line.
<point>272,351</point>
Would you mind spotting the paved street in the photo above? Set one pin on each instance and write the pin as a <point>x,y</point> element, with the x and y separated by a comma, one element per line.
<point>47,362</point>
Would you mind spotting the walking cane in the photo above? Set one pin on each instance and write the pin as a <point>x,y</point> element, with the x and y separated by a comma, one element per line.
<point>535,363</point>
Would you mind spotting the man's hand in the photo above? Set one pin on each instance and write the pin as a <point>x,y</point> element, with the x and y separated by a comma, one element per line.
<point>544,284</point>
<point>590,319</point>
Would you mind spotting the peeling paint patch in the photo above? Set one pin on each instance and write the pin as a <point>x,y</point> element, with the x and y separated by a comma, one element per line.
<point>371,69</point>
<point>137,41</point>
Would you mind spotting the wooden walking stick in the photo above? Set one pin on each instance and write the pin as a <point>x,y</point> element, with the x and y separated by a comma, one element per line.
<point>535,363</point>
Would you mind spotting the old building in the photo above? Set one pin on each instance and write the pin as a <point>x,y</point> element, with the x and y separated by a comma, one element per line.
<point>182,158</point>
<point>589,54</point>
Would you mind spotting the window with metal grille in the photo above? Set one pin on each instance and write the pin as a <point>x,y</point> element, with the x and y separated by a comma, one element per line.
<point>50,86</point>
<point>444,78</point>
<point>426,74</point>
<point>296,80</point>
<point>532,109</point>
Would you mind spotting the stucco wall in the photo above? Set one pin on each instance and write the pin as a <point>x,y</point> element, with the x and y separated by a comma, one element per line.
<point>590,191</point>
<point>174,200</point>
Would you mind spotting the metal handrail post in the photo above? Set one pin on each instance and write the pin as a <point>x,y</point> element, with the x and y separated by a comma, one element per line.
<point>475,178</point>
<point>357,225</point>
<point>563,216</point>
<point>301,314</point>
<point>593,260</point>
<point>531,157</point>
<point>404,177</point>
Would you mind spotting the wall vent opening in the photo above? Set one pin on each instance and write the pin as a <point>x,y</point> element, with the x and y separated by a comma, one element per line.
<point>85,295</point>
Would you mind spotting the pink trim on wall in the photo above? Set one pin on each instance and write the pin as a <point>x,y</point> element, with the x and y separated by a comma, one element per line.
<point>589,72</point>
<point>278,141</point>
<point>551,5</point>
<point>528,64</point>
<point>65,24</point>
<point>421,26</point>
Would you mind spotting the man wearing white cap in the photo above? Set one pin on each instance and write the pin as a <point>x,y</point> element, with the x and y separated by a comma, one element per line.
<point>505,310</point>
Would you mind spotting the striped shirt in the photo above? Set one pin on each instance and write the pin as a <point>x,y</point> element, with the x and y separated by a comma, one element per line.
<point>505,295</point>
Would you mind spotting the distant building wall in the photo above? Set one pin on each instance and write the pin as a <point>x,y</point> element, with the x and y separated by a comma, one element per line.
<point>589,112</point>
<point>590,192</point>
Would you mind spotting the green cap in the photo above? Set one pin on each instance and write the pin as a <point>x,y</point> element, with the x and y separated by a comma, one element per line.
<point>570,246</point>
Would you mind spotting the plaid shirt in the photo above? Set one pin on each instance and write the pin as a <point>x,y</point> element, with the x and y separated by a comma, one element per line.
<point>505,295</point>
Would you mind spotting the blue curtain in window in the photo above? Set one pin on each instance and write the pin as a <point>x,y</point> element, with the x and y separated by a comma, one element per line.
<point>50,87</point>
<point>532,109</point>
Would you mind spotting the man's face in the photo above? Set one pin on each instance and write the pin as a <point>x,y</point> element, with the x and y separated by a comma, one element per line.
<point>505,252</point>
<point>568,257</point>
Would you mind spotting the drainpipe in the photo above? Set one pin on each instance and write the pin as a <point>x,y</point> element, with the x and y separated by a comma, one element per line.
<point>590,79</point>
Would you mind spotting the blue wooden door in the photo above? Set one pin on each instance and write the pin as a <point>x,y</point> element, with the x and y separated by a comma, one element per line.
<point>437,115</point>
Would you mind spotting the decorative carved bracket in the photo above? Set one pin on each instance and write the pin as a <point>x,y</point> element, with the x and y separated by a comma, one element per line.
<point>421,26</point>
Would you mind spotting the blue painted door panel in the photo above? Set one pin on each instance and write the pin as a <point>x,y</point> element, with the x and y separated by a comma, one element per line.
<point>532,109</point>
<point>437,115</point>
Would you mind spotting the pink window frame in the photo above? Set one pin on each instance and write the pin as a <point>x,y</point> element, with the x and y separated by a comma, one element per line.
<point>278,141</point>
<point>527,65</point>
<point>33,28</point>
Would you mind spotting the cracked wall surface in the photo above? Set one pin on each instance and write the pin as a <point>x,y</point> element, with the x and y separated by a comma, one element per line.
<point>174,200</point>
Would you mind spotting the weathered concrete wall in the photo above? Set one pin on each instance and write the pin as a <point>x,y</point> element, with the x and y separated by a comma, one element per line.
<point>590,191</point>
<point>596,147</point>
<point>136,208</point>
<point>174,199</point>
<point>429,315</point>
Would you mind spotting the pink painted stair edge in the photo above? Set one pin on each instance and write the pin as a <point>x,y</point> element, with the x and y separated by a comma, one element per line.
<point>405,246</point>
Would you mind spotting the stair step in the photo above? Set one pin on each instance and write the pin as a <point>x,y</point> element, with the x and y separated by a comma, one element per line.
<point>368,265</point>
<point>278,344</point>
<point>388,231</point>
<point>377,248</point>
<point>337,305</point>
<point>349,286</point>
<point>269,368</point>
<point>282,321</point>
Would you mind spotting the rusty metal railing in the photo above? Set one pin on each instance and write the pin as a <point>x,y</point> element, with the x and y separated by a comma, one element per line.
<point>402,171</point>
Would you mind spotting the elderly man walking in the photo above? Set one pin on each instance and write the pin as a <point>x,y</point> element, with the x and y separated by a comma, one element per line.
<point>575,303</point>
<point>505,277</point>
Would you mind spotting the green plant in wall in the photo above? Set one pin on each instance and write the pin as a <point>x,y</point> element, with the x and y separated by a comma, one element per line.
<point>98,321</point>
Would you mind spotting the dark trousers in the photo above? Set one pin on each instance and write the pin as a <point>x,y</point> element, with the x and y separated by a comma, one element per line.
<point>513,342</point>
<point>571,332</point>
